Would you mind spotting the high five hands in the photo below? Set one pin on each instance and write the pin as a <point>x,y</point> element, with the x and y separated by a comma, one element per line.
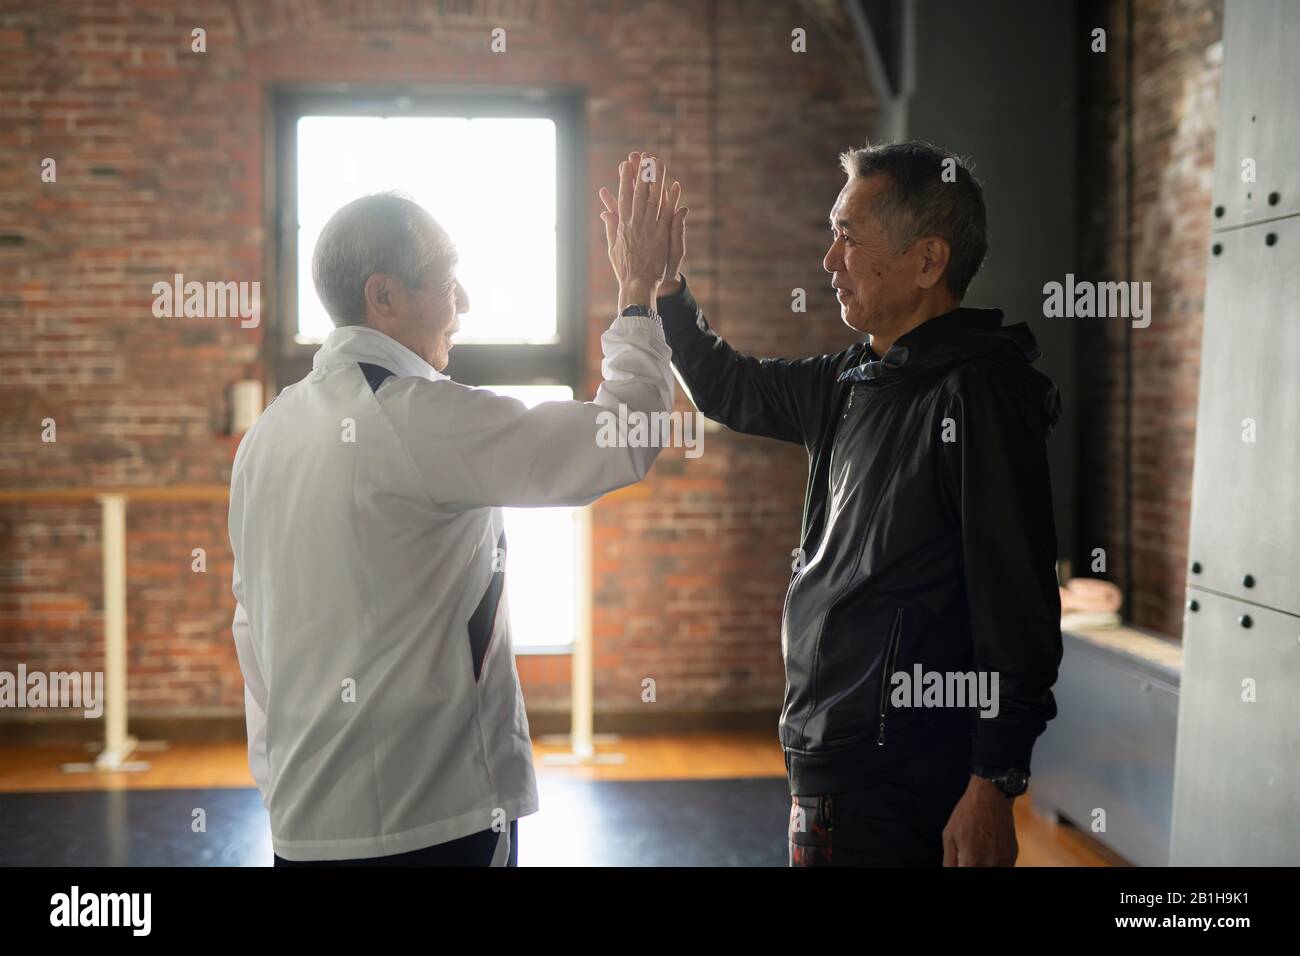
<point>645,231</point>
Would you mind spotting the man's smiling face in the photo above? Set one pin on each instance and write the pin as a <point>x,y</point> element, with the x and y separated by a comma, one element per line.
<point>426,316</point>
<point>435,313</point>
<point>874,285</point>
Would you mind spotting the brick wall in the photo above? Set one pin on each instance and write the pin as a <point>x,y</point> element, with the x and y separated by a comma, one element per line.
<point>160,170</point>
<point>1175,86</point>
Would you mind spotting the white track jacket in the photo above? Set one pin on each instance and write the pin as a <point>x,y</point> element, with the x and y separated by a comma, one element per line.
<point>383,706</point>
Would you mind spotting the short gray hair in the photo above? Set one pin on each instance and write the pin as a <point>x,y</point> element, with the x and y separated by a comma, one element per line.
<point>923,202</point>
<point>385,232</point>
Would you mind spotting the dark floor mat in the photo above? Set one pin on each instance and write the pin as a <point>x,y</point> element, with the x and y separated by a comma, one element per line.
<point>581,823</point>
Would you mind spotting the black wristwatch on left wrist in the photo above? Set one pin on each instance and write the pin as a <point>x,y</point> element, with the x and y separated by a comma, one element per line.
<point>1012,781</point>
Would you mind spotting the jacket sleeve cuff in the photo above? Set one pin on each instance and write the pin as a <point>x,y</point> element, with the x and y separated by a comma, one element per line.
<point>646,323</point>
<point>679,308</point>
<point>1003,746</point>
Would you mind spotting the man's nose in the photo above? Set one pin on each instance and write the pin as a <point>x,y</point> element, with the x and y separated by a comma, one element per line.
<point>462,299</point>
<point>831,261</point>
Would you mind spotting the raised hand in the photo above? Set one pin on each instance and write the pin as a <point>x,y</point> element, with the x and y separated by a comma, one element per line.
<point>638,228</point>
<point>672,282</point>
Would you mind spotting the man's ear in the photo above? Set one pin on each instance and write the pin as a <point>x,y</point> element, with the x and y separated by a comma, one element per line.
<point>935,256</point>
<point>380,293</point>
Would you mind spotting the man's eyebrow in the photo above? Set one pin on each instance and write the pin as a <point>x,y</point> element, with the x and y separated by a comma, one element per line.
<point>840,223</point>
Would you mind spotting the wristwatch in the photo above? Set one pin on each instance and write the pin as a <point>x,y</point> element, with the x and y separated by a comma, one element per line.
<point>1012,782</point>
<point>640,310</point>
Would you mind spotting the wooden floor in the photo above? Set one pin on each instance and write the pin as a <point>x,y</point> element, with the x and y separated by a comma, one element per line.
<point>651,757</point>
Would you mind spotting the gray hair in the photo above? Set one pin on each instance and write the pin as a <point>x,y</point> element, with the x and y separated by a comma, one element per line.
<point>923,202</point>
<point>385,232</point>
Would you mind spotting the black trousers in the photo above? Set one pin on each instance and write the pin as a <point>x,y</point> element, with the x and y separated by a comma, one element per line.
<point>895,820</point>
<point>477,849</point>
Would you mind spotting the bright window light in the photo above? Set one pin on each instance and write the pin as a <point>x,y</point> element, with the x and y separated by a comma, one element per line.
<point>489,181</point>
<point>541,555</point>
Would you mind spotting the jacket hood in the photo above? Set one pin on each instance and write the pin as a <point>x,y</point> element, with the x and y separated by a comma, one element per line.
<point>948,340</point>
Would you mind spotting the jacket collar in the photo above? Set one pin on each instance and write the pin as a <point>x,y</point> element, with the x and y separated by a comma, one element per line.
<point>921,342</point>
<point>350,344</point>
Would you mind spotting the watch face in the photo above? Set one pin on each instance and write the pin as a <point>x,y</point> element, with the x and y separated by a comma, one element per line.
<point>1014,782</point>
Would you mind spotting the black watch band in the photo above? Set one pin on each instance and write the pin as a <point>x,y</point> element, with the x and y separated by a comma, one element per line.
<point>1011,781</point>
<point>640,310</point>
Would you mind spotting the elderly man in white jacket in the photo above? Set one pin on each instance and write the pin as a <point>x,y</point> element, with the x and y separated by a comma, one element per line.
<point>385,719</point>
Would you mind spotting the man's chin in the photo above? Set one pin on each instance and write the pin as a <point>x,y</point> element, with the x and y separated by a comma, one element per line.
<point>853,321</point>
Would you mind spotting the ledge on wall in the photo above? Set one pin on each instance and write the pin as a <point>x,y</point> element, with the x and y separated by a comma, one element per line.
<point>58,729</point>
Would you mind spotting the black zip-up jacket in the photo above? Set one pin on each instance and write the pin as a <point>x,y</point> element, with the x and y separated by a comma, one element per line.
<point>927,533</point>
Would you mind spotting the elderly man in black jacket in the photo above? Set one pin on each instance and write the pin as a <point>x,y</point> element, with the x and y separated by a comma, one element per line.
<point>928,545</point>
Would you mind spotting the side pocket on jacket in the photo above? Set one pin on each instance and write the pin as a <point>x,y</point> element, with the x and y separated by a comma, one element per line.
<point>482,623</point>
<point>887,670</point>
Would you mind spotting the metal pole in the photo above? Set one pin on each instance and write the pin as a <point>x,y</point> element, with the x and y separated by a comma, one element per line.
<point>584,675</point>
<point>118,744</point>
<point>582,738</point>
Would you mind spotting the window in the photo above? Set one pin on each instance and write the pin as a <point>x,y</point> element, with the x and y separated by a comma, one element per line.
<point>490,182</point>
<point>501,172</point>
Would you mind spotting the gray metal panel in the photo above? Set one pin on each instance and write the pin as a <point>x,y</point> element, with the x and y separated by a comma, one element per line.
<point>1246,495</point>
<point>1237,771</point>
<point>1111,746</point>
<point>1257,105</point>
